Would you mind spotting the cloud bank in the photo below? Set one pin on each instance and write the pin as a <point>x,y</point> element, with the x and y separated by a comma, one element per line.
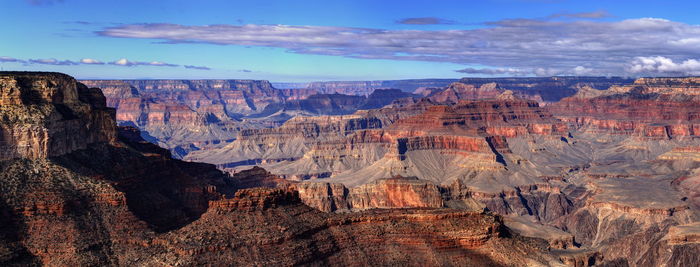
<point>10,59</point>
<point>53,61</point>
<point>538,46</point>
<point>90,61</point>
<point>197,67</point>
<point>127,63</point>
<point>664,66</point>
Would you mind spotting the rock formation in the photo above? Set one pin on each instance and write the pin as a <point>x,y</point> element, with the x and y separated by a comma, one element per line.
<point>649,108</point>
<point>49,114</point>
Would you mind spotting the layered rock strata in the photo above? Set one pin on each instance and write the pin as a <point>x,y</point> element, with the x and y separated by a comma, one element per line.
<point>124,201</point>
<point>50,114</point>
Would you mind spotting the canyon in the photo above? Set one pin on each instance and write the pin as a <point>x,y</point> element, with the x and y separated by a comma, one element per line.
<point>552,171</point>
<point>190,115</point>
<point>594,172</point>
<point>117,199</point>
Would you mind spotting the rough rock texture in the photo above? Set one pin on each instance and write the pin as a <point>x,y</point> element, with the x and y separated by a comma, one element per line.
<point>660,108</point>
<point>186,115</point>
<point>190,115</point>
<point>296,234</point>
<point>50,114</point>
<point>609,179</point>
<point>384,193</point>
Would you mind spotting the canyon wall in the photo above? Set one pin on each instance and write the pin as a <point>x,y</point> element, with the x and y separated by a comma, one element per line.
<point>50,114</point>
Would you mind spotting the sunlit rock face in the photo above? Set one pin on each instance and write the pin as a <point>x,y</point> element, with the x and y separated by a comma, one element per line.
<point>657,108</point>
<point>50,114</point>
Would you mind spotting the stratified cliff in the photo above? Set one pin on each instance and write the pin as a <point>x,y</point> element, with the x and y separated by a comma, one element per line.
<point>50,114</point>
<point>191,115</point>
<point>660,108</point>
<point>186,115</point>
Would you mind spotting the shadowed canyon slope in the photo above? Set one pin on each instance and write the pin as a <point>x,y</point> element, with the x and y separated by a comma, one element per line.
<point>111,198</point>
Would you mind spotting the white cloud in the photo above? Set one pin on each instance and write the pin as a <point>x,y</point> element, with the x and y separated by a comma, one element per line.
<point>127,63</point>
<point>664,66</point>
<point>91,61</point>
<point>197,67</point>
<point>543,46</point>
<point>10,59</point>
<point>53,61</point>
<point>495,71</point>
<point>122,62</point>
<point>582,71</point>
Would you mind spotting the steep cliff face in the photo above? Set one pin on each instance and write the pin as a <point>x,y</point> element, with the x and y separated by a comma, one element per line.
<point>50,114</point>
<point>659,108</point>
<point>330,104</point>
<point>384,193</point>
<point>236,96</point>
<point>186,115</point>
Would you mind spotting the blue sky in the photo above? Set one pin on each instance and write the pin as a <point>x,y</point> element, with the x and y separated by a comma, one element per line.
<point>349,40</point>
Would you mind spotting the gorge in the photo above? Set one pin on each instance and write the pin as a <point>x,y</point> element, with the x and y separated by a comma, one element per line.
<point>470,174</point>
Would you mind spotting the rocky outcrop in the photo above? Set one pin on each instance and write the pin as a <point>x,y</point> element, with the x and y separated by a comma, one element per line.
<point>295,234</point>
<point>659,108</point>
<point>460,91</point>
<point>50,114</point>
<point>395,192</point>
<point>186,115</point>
